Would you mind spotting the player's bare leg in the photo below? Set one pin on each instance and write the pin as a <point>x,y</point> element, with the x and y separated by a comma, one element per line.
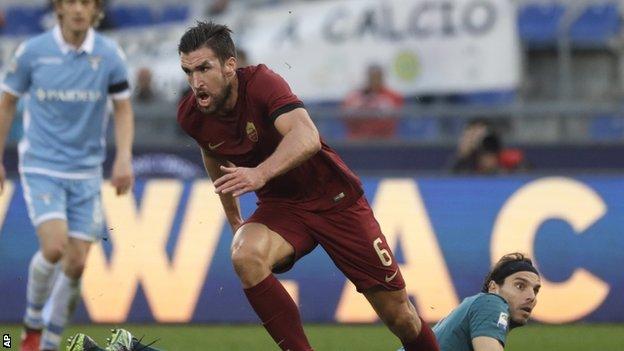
<point>75,257</point>
<point>399,314</point>
<point>52,239</point>
<point>256,251</point>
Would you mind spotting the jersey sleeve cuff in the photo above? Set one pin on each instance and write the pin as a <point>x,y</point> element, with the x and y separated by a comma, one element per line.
<point>285,109</point>
<point>10,90</point>
<point>122,95</point>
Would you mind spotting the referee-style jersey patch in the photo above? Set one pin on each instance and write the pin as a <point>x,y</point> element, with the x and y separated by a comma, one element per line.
<point>503,320</point>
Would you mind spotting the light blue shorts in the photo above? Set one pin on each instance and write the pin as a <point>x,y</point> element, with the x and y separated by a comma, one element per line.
<point>77,201</point>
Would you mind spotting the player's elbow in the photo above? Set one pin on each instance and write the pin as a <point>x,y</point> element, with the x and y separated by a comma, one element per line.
<point>313,145</point>
<point>308,139</point>
<point>316,143</point>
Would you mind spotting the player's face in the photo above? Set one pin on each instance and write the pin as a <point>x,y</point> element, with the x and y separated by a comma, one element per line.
<point>77,15</point>
<point>520,291</point>
<point>210,80</point>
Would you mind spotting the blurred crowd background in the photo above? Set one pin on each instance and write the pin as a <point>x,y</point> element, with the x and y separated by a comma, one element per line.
<point>543,94</point>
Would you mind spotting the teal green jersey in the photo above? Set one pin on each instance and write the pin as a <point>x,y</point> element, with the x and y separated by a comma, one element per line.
<point>479,315</point>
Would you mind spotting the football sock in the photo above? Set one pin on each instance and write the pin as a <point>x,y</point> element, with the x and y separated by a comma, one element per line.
<point>425,341</point>
<point>40,274</point>
<point>279,314</point>
<point>63,301</point>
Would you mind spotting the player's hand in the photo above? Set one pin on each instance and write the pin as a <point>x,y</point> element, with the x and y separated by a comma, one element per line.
<point>122,177</point>
<point>2,178</point>
<point>239,180</point>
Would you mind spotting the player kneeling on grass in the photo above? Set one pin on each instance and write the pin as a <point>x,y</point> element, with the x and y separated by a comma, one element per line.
<point>507,298</point>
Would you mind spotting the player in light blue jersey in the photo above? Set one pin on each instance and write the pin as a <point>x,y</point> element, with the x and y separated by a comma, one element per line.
<point>66,76</point>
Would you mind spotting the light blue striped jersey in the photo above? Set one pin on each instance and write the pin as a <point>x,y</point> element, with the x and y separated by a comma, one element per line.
<point>66,92</point>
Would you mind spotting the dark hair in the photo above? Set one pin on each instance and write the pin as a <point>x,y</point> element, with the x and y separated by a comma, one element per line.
<point>211,35</point>
<point>506,266</point>
<point>479,121</point>
<point>491,143</point>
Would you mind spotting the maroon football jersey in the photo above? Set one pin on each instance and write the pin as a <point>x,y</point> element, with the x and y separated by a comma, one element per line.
<point>248,136</point>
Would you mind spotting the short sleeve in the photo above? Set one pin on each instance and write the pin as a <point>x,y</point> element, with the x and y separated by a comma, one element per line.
<point>273,91</point>
<point>489,316</point>
<point>18,75</point>
<point>118,87</point>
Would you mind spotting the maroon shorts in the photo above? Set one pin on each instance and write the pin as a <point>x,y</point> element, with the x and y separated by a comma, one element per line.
<point>350,236</point>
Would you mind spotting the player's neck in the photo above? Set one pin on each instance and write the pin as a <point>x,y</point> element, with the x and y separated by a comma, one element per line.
<point>74,38</point>
<point>231,101</point>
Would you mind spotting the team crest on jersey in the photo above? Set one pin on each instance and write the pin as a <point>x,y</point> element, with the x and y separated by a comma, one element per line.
<point>252,133</point>
<point>95,62</point>
<point>503,319</point>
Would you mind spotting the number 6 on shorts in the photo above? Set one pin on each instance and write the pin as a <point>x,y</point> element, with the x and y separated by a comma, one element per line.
<point>384,255</point>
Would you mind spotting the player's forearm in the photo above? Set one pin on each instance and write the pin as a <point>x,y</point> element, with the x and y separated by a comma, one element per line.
<point>7,114</point>
<point>231,207</point>
<point>124,130</point>
<point>230,204</point>
<point>297,146</point>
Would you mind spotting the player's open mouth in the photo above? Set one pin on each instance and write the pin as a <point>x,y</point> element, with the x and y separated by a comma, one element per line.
<point>203,99</point>
<point>527,309</point>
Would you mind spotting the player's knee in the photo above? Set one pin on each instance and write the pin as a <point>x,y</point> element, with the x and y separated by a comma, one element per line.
<point>247,260</point>
<point>53,252</point>
<point>74,271</point>
<point>404,324</point>
<point>74,266</point>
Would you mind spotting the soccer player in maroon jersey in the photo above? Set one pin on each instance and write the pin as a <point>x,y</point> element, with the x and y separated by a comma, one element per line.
<point>255,135</point>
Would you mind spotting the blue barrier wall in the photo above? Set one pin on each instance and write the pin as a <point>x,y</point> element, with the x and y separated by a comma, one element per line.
<point>166,256</point>
<point>383,159</point>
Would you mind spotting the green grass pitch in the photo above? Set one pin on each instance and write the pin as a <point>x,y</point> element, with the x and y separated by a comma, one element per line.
<point>579,337</point>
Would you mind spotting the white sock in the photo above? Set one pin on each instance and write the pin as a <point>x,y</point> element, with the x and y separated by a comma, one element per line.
<point>62,302</point>
<point>40,277</point>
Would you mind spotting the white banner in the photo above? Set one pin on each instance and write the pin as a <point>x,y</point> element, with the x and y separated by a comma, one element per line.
<point>322,48</point>
<point>426,46</point>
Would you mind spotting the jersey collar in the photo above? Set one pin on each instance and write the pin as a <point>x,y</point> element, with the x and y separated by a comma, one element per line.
<point>87,44</point>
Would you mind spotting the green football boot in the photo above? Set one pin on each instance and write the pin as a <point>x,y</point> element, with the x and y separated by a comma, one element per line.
<point>82,342</point>
<point>123,340</point>
<point>120,340</point>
